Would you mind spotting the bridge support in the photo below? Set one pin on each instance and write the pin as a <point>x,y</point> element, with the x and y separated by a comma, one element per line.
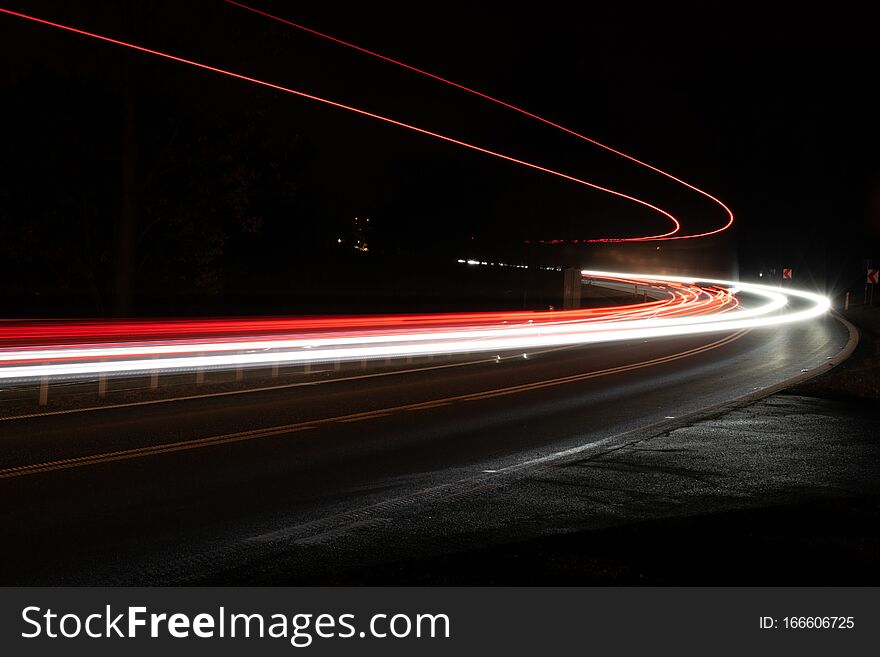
<point>571,289</point>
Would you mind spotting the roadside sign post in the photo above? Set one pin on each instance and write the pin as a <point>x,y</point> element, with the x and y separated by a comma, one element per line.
<point>872,280</point>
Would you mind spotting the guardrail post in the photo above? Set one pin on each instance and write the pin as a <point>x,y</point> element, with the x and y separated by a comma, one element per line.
<point>239,374</point>
<point>154,379</point>
<point>274,370</point>
<point>337,365</point>
<point>44,390</point>
<point>102,385</point>
<point>307,367</point>
<point>200,376</point>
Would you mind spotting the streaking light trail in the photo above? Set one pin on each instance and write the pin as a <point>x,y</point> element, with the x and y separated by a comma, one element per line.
<point>669,236</point>
<point>680,306</point>
<point>675,223</point>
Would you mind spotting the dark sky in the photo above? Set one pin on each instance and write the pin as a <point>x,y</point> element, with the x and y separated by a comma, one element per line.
<point>771,108</point>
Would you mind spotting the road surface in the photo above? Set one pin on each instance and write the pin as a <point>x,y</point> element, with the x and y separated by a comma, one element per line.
<point>186,491</point>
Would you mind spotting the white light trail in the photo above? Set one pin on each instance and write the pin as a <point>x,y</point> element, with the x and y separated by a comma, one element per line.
<point>775,306</point>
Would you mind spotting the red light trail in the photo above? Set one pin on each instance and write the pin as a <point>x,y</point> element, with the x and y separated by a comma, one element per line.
<point>679,307</point>
<point>385,119</point>
<point>485,96</point>
<point>56,342</point>
<point>680,298</point>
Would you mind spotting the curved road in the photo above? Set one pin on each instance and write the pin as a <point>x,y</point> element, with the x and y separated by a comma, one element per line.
<point>197,490</point>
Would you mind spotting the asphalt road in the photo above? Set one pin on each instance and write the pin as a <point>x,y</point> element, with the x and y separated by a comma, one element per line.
<point>220,489</point>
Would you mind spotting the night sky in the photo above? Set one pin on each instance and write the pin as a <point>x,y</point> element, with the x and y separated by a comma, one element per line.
<point>233,192</point>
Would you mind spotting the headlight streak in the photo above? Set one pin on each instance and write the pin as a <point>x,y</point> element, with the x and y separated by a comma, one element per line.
<point>687,306</point>
<point>668,236</point>
<point>680,300</point>
<point>693,306</point>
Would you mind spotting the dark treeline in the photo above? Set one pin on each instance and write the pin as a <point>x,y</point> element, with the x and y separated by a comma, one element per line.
<point>131,185</point>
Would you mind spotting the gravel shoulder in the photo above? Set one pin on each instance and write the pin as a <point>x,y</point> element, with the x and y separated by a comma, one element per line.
<point>784,491</point>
